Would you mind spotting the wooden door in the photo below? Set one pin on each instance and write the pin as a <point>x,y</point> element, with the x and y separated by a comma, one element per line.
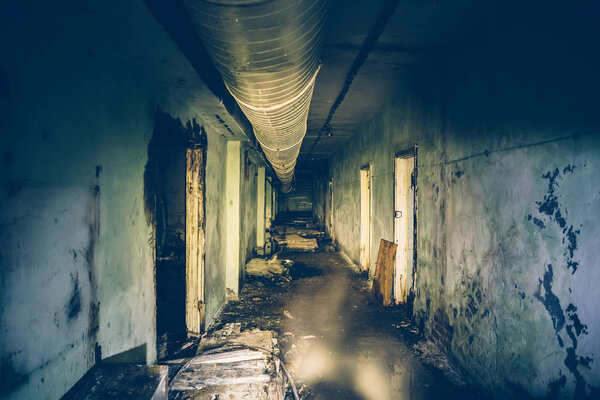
<point>365,217</point>
<point>194,239</point>
<point>403,225</point>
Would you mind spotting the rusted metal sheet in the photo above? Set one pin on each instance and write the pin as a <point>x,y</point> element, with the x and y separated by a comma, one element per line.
<point>384,272</point>
<point>195,240</point>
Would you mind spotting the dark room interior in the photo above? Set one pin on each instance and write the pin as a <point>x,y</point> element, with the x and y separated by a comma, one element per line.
<point>299,199</point>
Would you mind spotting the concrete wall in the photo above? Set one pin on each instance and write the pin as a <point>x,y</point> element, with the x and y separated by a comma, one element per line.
<point>214,267</point>
<point>80,83</point>
<point>319,197</point>
<point>78,260</point>
<point>248,195</point>
<point>233,214</point>
<point>509,208</point>
<point>260,207</point>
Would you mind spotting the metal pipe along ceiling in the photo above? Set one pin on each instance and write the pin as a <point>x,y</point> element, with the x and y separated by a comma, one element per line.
<point>268,54</point>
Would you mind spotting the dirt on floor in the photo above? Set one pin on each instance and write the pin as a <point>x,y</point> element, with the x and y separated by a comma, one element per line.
<point>336,339</point>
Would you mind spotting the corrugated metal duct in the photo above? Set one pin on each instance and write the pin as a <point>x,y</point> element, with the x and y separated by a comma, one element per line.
<point>268,54</point>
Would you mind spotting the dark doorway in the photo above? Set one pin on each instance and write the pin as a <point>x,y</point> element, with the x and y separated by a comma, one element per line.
<point>165,179</point>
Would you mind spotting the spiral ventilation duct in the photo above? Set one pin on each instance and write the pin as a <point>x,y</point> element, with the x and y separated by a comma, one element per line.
<point>268,54</point>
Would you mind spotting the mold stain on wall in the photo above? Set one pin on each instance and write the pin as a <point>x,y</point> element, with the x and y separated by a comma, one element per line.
<point>73,307</point>
<point>548,212</point>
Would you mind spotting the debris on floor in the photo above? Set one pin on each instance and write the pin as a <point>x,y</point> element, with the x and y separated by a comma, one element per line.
<point>370,348</point>
<point>233,364</point>
<point>231,335</point>
<point>431,355</point>
<point>296,242</point>
<point>273,268</point>
<point>384,272</point>
<point>310,233</point>
<point>173,346</point>
<point>230,374</point>
<point>122,381</point>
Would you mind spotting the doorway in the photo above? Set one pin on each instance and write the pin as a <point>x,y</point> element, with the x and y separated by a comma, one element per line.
<point>365,217</point>
<point>405,222</point>
<point>174,197</point>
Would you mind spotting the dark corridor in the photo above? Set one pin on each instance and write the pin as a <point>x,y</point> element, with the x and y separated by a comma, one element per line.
<point>299,199</point>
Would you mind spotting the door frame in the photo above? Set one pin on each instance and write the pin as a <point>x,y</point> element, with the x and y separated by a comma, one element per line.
<point>365,248</point>
<point>410,152</point>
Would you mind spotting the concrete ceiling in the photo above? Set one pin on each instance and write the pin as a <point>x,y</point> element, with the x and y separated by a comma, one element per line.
<point>411,31</point>
<point>402,33</point>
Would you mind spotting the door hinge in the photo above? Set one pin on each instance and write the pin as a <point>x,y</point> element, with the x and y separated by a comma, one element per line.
<point>397,214</point>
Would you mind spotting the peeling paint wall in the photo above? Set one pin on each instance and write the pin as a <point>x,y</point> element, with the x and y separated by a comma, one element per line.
<point>78,99</point>
<point>77,253</point>
<point>509,205</point>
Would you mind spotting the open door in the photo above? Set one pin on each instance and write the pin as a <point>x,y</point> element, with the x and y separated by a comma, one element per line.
<point>195,240</point>
<point>330,210</point>
<point>365,217</point>
<point>404,222</point>
<point>166,182</point>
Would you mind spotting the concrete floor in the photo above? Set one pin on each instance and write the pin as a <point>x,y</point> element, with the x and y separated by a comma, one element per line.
<point>338,341</point>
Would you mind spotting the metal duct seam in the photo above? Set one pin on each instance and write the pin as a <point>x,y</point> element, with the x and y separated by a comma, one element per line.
<point>268,55</point>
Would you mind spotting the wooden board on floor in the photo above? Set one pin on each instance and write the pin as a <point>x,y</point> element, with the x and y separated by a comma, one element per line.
<point>384,272</point>
<point>229,365</point>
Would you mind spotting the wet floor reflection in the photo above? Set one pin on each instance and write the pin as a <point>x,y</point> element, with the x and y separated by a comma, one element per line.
<point>339,342</point>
